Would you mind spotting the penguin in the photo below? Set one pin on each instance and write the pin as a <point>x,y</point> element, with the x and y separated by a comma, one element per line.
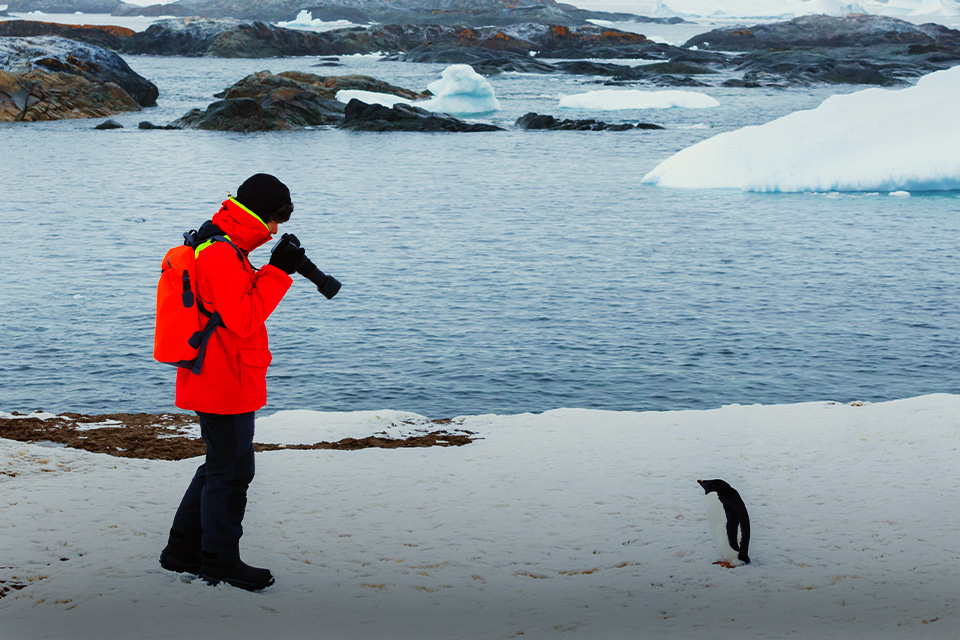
<point>729,522</point>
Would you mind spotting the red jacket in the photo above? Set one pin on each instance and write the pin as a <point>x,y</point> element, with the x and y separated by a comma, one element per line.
<point>233,377</point>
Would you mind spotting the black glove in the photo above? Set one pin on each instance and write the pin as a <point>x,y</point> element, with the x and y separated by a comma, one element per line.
<point>287,254</point>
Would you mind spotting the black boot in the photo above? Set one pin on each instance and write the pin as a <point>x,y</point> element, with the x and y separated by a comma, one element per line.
<point>239,574</point>
<point>180,560</point>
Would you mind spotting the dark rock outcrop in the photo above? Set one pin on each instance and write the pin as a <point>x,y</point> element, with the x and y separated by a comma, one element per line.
<point>360,116</point>
<point>659,73</point>
<point>497,48</point>
<point>545,122</point>
<point>63,6</point>
<point>49,78</point>
<point>149,126</point>
<point>224,39</point>
<point>446,12</point>
<point>484,61</point>
<point>105,37</point>
<point>108,124</point>
<point>852,49</point>
<point>855,30</point>
<point>267,102</point>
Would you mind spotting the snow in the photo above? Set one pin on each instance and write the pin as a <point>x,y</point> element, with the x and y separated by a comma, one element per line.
<point>871,140</point>
<point>308,427</point>
<point>460,90</point>
<point>613,99</point>
<point>371,97</point>
<point>572,523</point>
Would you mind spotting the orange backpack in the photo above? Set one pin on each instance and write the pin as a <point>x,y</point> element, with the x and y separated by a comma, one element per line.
<point>183,326</point>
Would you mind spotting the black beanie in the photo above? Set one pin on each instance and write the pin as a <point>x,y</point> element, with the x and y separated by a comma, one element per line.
<point>264,195</point>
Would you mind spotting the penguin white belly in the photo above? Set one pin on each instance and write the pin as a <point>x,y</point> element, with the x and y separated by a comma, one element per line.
<point>717,518</point>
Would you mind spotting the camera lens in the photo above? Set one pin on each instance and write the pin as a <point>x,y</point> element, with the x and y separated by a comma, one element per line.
<point>327,285</point>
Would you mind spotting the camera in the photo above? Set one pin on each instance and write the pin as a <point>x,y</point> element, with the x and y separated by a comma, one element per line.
<point>327,285</point>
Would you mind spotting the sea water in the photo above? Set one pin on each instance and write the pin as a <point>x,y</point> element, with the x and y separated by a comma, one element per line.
<point>494,272</point>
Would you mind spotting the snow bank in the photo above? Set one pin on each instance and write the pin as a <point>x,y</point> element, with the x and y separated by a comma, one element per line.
<point>461,90</point>
<point>585,524</point>
<point>371,97</point>
<point>613,99</point>
<point>871,140</point>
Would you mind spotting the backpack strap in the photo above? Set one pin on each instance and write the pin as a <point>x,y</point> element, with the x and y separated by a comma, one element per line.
<point>200,339</point>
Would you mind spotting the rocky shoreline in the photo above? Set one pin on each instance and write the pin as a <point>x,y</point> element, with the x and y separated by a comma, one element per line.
<point>53,71</point>
<point>167,437</point>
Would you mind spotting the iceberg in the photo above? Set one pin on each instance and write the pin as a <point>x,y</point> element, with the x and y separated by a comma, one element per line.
<point>371,97</point>
<point>305,22</point>
<point>614,99</point>
<point>871,140</point>
<point>461,90</point>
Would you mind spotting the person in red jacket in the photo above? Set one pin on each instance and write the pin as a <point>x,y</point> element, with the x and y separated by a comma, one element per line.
<point>231,386</point>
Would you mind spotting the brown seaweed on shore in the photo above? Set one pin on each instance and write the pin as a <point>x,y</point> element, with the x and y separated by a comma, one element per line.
<point>163,436</point>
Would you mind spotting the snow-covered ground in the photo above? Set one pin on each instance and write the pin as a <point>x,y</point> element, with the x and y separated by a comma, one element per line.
<point>870,140</point>
<point>571,523</point>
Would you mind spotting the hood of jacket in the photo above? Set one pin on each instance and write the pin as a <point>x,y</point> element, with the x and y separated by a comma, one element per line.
<point>244,228</point>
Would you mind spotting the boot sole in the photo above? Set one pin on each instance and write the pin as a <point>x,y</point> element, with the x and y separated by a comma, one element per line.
<point>240,584</point>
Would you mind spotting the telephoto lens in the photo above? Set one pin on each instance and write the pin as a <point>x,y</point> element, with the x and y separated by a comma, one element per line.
<point>327,285</point>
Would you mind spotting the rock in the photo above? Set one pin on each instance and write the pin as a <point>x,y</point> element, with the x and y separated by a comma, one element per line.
<point>484,61</point>
<point>536,121</point>
<point>446,12</point>
<point>360,116</point>
<point>105,37</point>
<point>224,39</point>
<point>853,30</point>
<point>49,77</point>
<point>851,49</point>
<point>873,65</point>
<point>63,6</point>
<point>108,124</point>
<point>40,95</point>
<point>661,73</point>
<point>150,126</point>
<point>266,102</point>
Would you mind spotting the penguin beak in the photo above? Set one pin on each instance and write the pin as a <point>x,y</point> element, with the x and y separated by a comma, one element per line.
<point>700,482</point>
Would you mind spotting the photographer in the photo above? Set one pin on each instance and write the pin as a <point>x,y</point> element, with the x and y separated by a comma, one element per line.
<point>231,386</point>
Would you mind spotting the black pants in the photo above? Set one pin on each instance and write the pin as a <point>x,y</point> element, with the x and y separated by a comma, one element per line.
<point>211,513</point>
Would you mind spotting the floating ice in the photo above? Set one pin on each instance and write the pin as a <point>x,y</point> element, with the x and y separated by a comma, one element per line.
<point>613,99</point>
<point>871,140</point>
<point>371,97</point>
<point>461,90</point>
<point>304,21</point>
<point>900,194</point>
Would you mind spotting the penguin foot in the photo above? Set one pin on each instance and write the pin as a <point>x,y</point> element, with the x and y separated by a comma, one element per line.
<point>725,564</point>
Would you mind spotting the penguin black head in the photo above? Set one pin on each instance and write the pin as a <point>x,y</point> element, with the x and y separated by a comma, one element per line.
<point>717,485</point>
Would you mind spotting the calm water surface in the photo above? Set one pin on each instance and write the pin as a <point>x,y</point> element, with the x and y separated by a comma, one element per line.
<point>498,272</point>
